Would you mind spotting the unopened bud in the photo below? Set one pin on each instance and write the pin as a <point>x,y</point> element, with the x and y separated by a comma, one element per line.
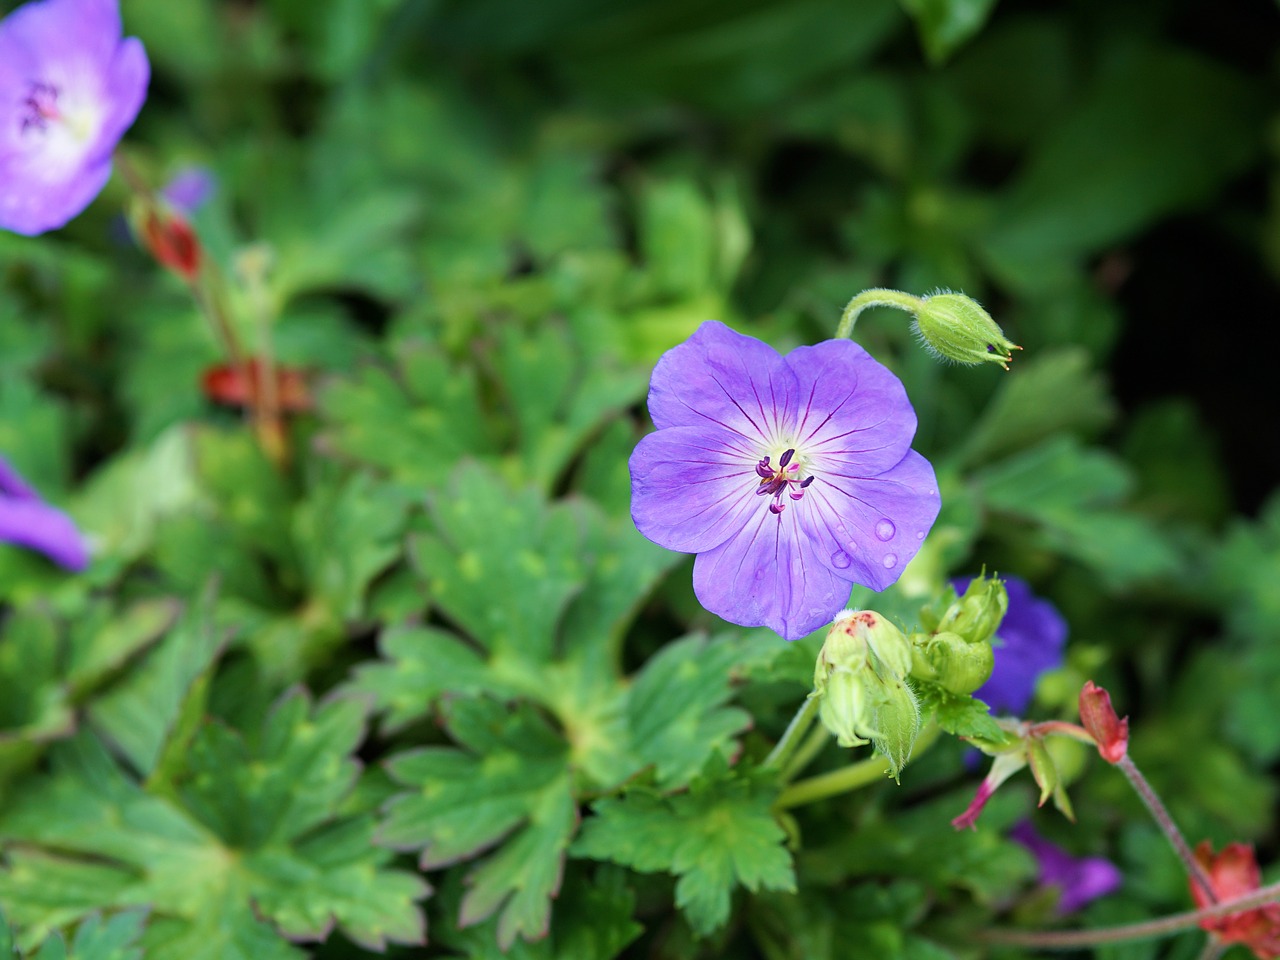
<point>976,615</point>
<point>172,242</point>
<point>1109,732</point>
<point>956,327</point>
<point>952,662</point>
<point>860,683</point>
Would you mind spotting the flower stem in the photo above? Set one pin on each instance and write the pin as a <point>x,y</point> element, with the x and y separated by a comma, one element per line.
<point>846,779</point>
<point>791,736</point>
<point>1146,930</point>
<point>1161,816</point>
<point>878,297</point>
<point>818,738</point>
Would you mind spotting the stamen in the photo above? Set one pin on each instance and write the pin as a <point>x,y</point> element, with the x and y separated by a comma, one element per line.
<point>784,459</point>
<point>782,479</point>
<point>42,106</point>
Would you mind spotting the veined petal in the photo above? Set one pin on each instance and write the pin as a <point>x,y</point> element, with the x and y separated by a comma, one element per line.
<point>852,411</point>
<point>692,488</point>
<point>721,379</point>
<point>867,528</point>
<point>767,575</point>
<point>31,523</point>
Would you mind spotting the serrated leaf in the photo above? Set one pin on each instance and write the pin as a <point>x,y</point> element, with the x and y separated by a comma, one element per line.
<point>254,838</point>
<point>511,785</point>
<point>718,836</point>
<point>676,707</point>
<point>962,716</point>
<point>99,645</point>
<point>491,536</point>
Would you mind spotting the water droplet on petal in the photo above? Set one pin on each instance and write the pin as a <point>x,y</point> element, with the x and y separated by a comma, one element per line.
<point>885,529</point>
<point>890,561</point>
<point>759,573</point>
<point>840,559</point>
<point>920,535</point>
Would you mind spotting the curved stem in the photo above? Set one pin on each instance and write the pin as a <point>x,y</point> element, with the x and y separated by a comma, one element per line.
<point>818,739</point>
<point>878,297</point>
<point>790,737</point>
<point>1066,939</point>
<point>1161,816</point>
<point>846,779</point>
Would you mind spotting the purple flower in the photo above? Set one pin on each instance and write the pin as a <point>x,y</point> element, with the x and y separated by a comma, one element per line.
<point>790,477</point>
<point>69,88</point>
<point>27,520</point>
<point>1079,879</point>
<point>190,189</point>
<point>1029,641</point>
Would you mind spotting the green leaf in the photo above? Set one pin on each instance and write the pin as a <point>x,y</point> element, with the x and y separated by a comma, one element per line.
<point>676,707</point>
<point>253,827</point>
<point>946,25</point>
<point>963,716</point>
<point>509,785</point>
<point>1054,392</point>
<point>718,836</point>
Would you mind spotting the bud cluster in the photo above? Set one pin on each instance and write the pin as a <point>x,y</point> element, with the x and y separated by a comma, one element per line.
<point>955,649</point>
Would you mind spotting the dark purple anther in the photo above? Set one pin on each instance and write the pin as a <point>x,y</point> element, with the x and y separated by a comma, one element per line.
<point>764,469</point>
<point>41,104</point>
<point>785,459</point>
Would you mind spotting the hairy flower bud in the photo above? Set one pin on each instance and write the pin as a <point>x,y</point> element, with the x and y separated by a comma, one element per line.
<point>976,615</point>
<point>860,683</point>
<point>956,327</point>
<point>952,662</point>
<point>1098,717</point>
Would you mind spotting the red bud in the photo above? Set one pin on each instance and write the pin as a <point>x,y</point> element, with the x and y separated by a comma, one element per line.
<point>228,384</point>
<point>1109,732</point>
<point>173,243</point>
<point>1234,873</point>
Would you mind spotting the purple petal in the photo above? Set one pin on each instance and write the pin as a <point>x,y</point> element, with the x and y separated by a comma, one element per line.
<point>853,411</point>
<point>867,528</point>
<point>721,379</point>
<point>37,525</point>
<point>1079,879</point>
<point>767,575</point>
<point>13,485</point>
<point>691,489</point>
<point>67,35</point>
<point>127,81</point>
<point>190,189</point>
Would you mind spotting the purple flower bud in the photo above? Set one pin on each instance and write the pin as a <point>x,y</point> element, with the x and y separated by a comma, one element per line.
<point>791,478</point>
<point>69,88</point>
<point>28,521</point>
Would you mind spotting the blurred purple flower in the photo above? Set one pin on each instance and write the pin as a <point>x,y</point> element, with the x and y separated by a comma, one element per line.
<point>1080,879</point>
<point>1030,641</point>
<point>189,189</point>
<point>69,88</point>
<point>28,521</point>
<point>790,477</point>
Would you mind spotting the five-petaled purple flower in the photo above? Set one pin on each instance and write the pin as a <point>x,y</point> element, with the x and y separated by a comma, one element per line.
<point>1029,641</point>
<point>69,88</point>
<point>28,521</point>
<point>790,477</point>
<point>1078,879</point>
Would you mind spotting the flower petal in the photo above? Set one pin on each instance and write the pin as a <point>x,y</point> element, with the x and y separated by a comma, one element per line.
<point>37,525</point>
<point>721,379</point>
<point>867,528</point>
<point>853,411</point>
<point>767,575</point>
<point>691,489</point>
<point>71,34</point>
<point>127,80</point>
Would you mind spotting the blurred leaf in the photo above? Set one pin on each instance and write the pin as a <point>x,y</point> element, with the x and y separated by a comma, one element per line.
<point>509,785</point>
<point>946,25</point>
<point>719,835</point>
<point>1052,393</point>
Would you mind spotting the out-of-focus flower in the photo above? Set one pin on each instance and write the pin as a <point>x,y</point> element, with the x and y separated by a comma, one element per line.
<point>1029,641</point>
<point>790,477</point>
<point>1022,746</point>
<point>1109,732</point>
<point>1078,879</point>
<point>189,189</point>
<point>172,242</point>
<point>69,88</point>
<point>230,385</point>
<point>28,521</point>
<point>1234,873</point>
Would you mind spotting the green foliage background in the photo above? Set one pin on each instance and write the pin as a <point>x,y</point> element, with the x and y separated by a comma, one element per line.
<point>429,681</point>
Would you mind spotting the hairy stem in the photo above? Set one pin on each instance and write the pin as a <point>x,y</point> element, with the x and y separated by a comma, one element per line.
<point>1071,939</point>
<point>1161,816</point>
<point>878,297</point>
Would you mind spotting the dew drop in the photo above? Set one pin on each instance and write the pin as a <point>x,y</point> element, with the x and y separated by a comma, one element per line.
<point>890,561</point>
<point>885,529</point>
<point>840,559</point>
<point>920,535</point>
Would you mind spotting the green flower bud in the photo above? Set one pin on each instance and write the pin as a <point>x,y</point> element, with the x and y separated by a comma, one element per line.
<point>951,661</point>
<point>860,683</point>
<point>954,326</point>
<point>977,615</point>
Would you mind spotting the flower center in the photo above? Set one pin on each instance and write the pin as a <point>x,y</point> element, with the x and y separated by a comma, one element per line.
<point>40,106</point>
<point>784,478</point>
